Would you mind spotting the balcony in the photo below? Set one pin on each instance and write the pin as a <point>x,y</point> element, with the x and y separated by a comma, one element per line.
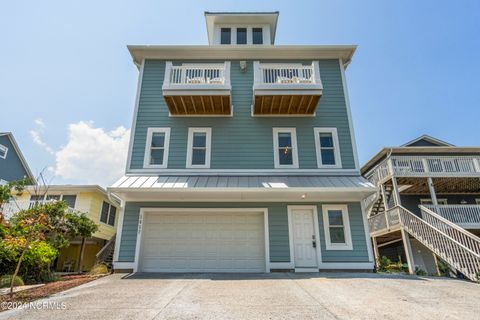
<point>12,207</point>
<point>286,88</point>
<point>198,89</point>
<point>464,215</point>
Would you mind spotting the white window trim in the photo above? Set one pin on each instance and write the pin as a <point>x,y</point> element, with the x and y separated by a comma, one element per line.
<point>276,159</point>
<point>146,157</point>
<point>208,132</point>
<point>441,201</point>
<point>110,206</point>
<point>336,147</point>
<point>5,149</point>
<point>346,227</point>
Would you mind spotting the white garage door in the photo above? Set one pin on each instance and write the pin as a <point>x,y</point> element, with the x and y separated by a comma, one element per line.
<point>203,242</point>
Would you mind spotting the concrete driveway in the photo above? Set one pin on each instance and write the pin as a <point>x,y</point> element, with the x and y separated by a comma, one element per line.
<point>262,296</point>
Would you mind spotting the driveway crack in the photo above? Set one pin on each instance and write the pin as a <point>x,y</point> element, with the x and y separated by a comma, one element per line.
<point>188,284</point>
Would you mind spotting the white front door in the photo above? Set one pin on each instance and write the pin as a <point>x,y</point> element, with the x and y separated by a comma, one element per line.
<point>304,241</point>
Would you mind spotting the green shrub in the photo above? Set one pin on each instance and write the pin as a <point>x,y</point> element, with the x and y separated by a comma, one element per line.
<point>8,257</point>
<point>443,268</point>
<point>420,272</point>
<point>100,268</point>
<point>6,280</point>
<point>383,263</point>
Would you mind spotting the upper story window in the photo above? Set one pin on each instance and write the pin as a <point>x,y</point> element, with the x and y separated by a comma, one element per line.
<point>257,35</point>
<point>225,36</point>
<point>156,149</point>
<point>285,148</point>
<point>69,199</point>
<point>108,214</point>
<point>241,35</point>
<point>337,227</point>
<point>3,151</point>
<point>199,147</point>
<point>327,147</point>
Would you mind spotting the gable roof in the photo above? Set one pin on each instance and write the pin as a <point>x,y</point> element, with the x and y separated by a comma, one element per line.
<point>20,155</point>
<point>426,140</point>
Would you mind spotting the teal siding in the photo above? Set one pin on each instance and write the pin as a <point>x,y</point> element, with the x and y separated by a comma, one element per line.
<point>11,168</point>
<point>278,230</point>
<point>242,141</point>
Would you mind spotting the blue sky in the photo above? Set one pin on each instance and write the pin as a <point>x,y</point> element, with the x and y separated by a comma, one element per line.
<point>416,69</point>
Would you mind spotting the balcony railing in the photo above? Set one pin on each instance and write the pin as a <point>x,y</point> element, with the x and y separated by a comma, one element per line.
<point>286,88</point>
<point>385,221</point>
<point>425,166</point>
<point>465,215</point>
<point>12,207</point>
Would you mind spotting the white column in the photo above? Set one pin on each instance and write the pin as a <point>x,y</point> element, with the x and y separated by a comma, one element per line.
<point>408,251</point>
<point>431,188</point>
<point>376,252</point>
<point>396,194</point>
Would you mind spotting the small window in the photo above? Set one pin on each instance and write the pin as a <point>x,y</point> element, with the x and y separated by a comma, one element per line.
<point>241,35</point>
<point>328,152</point>
<point>257,36</point>
<point>285,148</point>
<point>51,197</point>
<point>337,227</point>
<point>108,214</point>
<point>156,149</point>
<point>3,151</point>
<point>70,200</point>
<point>225,36</point>
<point>199,147</point>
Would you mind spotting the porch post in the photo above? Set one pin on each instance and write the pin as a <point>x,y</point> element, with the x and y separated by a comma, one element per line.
<point>376,252</point>
<point>396,194</point>
<point>408,251</point>
<point>431,188</point>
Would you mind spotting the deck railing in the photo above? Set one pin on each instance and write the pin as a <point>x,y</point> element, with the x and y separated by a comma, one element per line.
<point>200,76</point>
<point>287,75</point>
<point>12,207</point>
<point>385,221</point>
<point>461,214</point>
<point>425,166</point>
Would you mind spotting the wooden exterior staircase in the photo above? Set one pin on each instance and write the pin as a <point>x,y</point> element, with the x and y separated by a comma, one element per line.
<point>105,255</point>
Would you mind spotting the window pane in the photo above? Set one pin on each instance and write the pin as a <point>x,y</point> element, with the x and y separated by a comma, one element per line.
<point>199,139</point>
<point>158,139</point>
<point>3,151</point>
<point>284,139</point>
<point>104,213</point>
<point>326,140</point>
<point>225,36</point>
<point>156,156</point>
<point>285,156</point>
<point>53,197</point>
<point>198,156</point>
<point>337,235</point>
<point>335,217</point>
<point>241,36</point>
<point>111,217</point>
<point>257,36</point>
<point>70,200</point>
<point>328,156</point>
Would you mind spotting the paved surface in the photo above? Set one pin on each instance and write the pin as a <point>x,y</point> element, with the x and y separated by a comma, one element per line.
<point>265,296</point>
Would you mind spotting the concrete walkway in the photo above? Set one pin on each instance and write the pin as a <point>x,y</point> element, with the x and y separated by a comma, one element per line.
<point>262,296</point>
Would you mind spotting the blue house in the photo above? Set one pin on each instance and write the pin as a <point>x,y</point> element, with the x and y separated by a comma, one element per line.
<point>13,165</point>
<point>242,157</point>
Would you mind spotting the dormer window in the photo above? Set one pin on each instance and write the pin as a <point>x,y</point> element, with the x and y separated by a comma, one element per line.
<point>257,36</point>
<point>241,35</point>
<point>226,36</point>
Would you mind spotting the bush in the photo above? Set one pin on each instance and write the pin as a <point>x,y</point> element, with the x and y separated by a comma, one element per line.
<point>443,268</point>
<point>8,257</point>
<point>420,272</point>
<point>100,268</point>
<point>386,265</point>
<point>6,280</point>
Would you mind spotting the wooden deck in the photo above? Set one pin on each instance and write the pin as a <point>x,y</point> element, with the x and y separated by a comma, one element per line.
<point>199,105</point>
<point>286,104</point>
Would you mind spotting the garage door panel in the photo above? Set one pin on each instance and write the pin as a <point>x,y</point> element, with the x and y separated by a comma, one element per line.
<point>203,242</point>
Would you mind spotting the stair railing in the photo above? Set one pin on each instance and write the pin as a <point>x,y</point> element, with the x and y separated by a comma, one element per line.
<point>105,251</point>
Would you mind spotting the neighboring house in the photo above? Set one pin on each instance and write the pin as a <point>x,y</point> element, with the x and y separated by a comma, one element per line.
<point>428,206</point>
<point>242,157</point>
<point>90,199</point>
<point>12,163</point>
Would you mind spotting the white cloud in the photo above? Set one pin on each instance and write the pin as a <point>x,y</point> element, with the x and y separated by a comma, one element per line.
<point>92,155</point>
<point>39,122</point>
<point>38,140</point>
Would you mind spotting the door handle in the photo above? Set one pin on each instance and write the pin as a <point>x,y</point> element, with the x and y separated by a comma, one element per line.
<point>314,244</point>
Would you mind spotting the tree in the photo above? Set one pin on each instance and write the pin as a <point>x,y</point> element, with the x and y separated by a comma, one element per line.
<point>81,226</point>
<point>8,190</point>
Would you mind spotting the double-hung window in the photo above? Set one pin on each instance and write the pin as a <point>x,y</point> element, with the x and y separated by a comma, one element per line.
<point>199,147</point>
<point>285,148</point>
<point>337,227</point>
<point>3,151</point>
<point>156,149</point>
<point>225,36</point>
<point>241,35</point>
<point>108,214</point>
<point>257,36</point>
<point>327,148</point>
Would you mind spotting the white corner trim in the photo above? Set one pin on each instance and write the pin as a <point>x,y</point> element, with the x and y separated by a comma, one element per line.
<point>148,145</point>
<point>346,265</point>
<point>4,151</point>
<point>135,115</point>
<point>349,114</point>
<point>276,159</point>
<point>208,149</point>
<point>336,147</point>
<point>346,228</point>
<point>291,244</point>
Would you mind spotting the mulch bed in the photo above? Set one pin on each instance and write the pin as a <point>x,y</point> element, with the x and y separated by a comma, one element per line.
<point>64,283</point>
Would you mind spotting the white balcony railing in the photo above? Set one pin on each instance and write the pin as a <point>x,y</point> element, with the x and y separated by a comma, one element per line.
<point>465,215</point>
<point>425,166</point>
<point>287,76</point>
<point>201,76</point>
<point>12,207</point>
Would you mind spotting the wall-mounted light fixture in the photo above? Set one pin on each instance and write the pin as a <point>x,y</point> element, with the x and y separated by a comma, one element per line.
<point>243,66</point>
